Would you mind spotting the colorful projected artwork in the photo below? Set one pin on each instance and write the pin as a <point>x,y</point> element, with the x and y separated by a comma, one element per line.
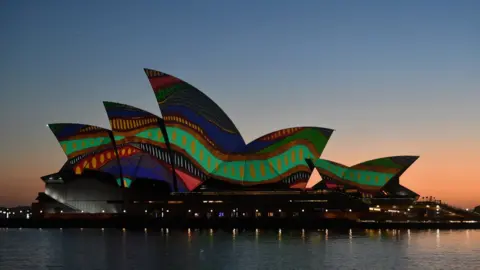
<point>201,135</point>
<point>86,146</point>
<point>196,143</point>
<point>185,107</point>
<point>368,176</point>
<point>142,136</point>
<point>278,157</point>
<point>207,144</point>
<point>292,146</point>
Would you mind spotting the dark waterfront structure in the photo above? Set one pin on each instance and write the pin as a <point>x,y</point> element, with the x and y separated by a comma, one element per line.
<point>18,212</point>
<point>193,164</point>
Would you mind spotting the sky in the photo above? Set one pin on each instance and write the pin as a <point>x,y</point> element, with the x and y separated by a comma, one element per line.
<point>390,77</point>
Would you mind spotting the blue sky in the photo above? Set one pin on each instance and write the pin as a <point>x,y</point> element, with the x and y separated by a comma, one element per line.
<point>390,77</point>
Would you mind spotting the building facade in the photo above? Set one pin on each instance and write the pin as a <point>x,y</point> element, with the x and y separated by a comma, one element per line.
<point>195,149</point>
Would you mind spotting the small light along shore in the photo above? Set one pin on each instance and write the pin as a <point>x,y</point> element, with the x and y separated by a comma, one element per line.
<point>153,224</point>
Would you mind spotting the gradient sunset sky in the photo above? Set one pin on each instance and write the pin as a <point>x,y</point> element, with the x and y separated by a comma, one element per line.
<point>391,77</point>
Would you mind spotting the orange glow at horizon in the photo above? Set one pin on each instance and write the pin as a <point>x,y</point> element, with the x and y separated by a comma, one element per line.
<point>448,174</point>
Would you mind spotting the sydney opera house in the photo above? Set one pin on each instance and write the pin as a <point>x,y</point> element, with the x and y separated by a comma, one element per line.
<point>194,160</point>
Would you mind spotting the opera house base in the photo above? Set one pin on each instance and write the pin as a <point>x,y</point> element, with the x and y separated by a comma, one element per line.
<point>240,209</point>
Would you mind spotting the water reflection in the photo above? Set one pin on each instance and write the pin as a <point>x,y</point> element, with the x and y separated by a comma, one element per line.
<point>255,249</point>
<point>438,238</point>
<point>409,237</point>
<point>350,241</point>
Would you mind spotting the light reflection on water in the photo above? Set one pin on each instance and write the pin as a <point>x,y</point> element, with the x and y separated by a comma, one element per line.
<point>238,249</point>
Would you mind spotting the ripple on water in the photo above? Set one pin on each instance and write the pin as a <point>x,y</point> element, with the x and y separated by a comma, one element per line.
<point>257,249</point>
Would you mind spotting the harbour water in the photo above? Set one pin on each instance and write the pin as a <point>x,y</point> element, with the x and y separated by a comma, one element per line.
<point>238,249</point>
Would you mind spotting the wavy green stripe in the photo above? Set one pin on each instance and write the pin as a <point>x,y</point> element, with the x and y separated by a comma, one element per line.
<point>152,134</point>
<point>338,171</point>
<point>73,146</point>
<point>118,138</point>
<point>202,155</point>
<point>367,178</point>
<point>362,177</point>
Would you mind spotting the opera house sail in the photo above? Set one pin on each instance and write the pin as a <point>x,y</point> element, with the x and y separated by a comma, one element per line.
<point>195,148</point>
<point>141,140</point>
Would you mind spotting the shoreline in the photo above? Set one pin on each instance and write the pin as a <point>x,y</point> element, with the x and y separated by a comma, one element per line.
<point>139,224</point>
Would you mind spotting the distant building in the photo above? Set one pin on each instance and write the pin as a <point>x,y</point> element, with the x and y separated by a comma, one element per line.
<point>477,209</point>
<point>196,149</point>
